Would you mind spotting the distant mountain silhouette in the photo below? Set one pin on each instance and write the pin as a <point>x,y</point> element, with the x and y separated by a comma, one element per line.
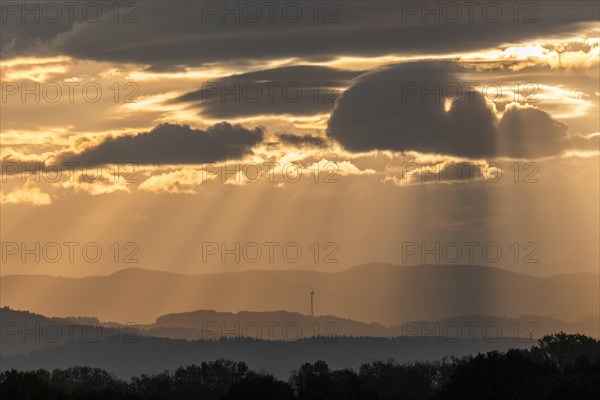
<point>41,342</point>
<point>268,325</point>
<point>209,324</point>
<point>23,332</point>
<point>382,293</point>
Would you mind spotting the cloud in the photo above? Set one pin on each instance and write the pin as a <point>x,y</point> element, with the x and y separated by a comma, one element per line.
<point>96,185</point>
<point>586,143</point>
<point>184,181</point>
<point>192,36</point>
<point>27,194</point>
<point>332,169</point>
<point>302,140</point>
<point>530,132</point>
<point>387,110</point>
<point>297,90</point>
<point>448,172</point>
<point>408,107</point>
<point>172,144</point>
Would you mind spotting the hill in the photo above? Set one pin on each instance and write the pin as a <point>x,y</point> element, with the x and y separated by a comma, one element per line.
<point>382,293</point>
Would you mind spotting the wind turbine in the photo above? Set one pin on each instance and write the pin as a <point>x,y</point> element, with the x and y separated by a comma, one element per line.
<point>312,294</point>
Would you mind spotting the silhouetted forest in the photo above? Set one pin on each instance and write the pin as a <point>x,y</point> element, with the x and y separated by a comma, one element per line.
<point>559,366</point>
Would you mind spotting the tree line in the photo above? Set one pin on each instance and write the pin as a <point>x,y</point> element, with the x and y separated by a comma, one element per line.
<point>560,366</point>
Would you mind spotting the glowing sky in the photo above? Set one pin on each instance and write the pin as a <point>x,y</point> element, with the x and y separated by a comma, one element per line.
<point>183,150</point>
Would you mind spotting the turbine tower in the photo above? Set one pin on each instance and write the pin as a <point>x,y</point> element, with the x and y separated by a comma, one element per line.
<point>312,294</point>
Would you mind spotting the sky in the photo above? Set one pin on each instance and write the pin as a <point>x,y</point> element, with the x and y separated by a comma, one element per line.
<point>200,137</point>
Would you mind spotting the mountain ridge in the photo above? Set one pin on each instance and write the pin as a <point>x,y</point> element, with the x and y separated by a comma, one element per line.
<point>350,269</point>
<point>382,293</point>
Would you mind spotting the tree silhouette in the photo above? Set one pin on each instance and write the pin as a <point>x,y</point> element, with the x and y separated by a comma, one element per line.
<point>313,381</point>
<point>390,380</point>
<point>565,349</point>
<point>260,387</point>
<point>94,383</point>
<point>559,367</point>
<point>153,387</point>
<point>514,375</point>
<point>210,380</point>
<point>26,385</point>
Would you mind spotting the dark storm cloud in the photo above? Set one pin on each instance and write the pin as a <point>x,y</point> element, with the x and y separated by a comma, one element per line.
<point>302,141</point>
<point>402,108</point>
<point>27,26</point>
<point>297,90</point>
<point>173,144</point>
<point>176,33</point>
<point>379,112</point>
<point>530,132</point>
